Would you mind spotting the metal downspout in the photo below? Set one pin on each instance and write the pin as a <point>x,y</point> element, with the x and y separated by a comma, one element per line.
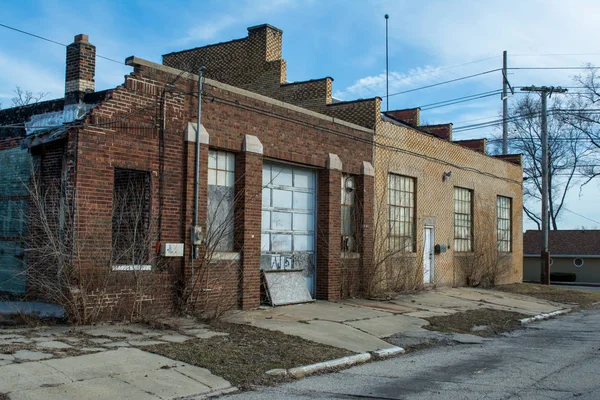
<point>197,175</point>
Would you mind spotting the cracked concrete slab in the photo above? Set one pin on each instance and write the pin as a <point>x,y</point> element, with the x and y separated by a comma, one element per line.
<point>116,374</point>
<point>29,375</point>
<point>54,345</point>
<point>92,389</point>
<point>174,338</point>
<point>383,327</point>
<point>28,355</point>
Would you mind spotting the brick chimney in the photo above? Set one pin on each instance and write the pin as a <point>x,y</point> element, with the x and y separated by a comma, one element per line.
<point>81,68</point>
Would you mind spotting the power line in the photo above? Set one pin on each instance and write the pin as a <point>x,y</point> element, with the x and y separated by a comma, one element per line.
<point>446,82</point>
<point>537,68</point>
<point>458,100</point>
<point>519,117</point>
<point>555,54</point>
<point>53,41</point>
<point>582,216</point>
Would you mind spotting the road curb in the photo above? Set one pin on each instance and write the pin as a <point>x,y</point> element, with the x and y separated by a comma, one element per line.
<point>549,315</point>
<point>304,370</point>
<point>210,395</point>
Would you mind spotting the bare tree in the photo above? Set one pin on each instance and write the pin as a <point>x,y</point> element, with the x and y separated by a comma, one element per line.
<point>568,152</point>
<point>584,116</point>
<point>26,97</point>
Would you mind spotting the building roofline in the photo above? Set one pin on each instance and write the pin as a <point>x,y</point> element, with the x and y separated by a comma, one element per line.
<point>257,27</point>
<point>133,61</point>
<point>307,81</point>
<point>354,101</point>
<point>395,121</point>
<point>434,125</point>
<point>204,47</point>
<point>472,140</point>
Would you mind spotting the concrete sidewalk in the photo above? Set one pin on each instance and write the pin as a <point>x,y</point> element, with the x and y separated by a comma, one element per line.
<point>125,373</point>
<point>363,325</point>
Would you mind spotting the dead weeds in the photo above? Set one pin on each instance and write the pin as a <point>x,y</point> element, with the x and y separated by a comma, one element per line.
<point>553,293</point>
<point>486,321</point>
<point>243,356</point>
<point>4,396</point>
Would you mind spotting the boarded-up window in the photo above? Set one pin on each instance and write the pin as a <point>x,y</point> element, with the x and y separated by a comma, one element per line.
<point>347,217</point>
<point>131,218</point>
<point>504,212</point>
<point>221,199</point>
<point>463,219</point>
<point>401,201</point>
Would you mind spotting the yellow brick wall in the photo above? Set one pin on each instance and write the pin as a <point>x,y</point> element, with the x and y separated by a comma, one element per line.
<point>486,176</point>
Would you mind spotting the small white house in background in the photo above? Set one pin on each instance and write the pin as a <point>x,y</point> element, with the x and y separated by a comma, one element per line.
<point>571,252</point>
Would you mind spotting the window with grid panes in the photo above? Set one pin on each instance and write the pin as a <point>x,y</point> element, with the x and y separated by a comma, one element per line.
<point>401,204</point>
<point>221,199</point>
<point>503,213</point>
<point>463,219</point>
<point>221,168</point>
<point>347,217</point>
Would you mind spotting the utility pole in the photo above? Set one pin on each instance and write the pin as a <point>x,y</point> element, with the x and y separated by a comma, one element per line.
<point>387,88</point>
<point>504,105</point>
<point>545,91</point>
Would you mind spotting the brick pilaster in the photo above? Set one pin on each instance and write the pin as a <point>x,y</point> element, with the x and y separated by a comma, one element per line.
<point>248,222</point>
<point>329,274</point>
<point>365,189</point>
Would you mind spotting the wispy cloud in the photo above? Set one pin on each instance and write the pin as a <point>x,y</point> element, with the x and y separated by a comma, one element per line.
<point>240,14</point>
<point>209,30</point>
<point>18,72</point>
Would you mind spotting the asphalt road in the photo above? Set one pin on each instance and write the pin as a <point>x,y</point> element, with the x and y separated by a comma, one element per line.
<point>556,359</point>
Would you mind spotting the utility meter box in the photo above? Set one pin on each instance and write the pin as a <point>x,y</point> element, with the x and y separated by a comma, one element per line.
<point>440,248</point>
<point>171,249</point>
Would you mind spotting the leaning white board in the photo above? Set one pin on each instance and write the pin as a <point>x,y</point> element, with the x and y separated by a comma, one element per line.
<point>287,287</point>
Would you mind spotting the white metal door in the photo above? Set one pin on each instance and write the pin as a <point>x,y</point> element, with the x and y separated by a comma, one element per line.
<point>288,220</point>
<point>428,255</point>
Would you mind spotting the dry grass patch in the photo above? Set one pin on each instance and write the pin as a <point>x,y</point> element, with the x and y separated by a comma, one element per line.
<point>553,293</point>
<point>486,321</point>
<point>243,356</point>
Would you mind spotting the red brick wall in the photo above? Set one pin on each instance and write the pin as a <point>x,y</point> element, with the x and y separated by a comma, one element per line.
<point>133,143</point>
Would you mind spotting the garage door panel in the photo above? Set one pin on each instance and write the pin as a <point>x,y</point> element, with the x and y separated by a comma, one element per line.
<point>304,242</point>
<point>303,222</point>
<point>304,179</point>
<point>303,201</point>
<point>281,220</point>
<point>281,198</point>
<point>281,243</point>
<point>266,197</point>
<point>288,219</point>
<point>265,242</point>
<point>282,176</point>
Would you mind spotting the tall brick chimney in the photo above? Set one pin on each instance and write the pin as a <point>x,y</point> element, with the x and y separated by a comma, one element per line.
<point>81,68</point>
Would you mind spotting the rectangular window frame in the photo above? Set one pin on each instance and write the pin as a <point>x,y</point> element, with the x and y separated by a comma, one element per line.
<point>504,223</point>
<point>221,168</point>
<point>402,205</point>
<point>220,234</point>
<point>348,213</point>
<point>463,220</point>
<point>142,253</point>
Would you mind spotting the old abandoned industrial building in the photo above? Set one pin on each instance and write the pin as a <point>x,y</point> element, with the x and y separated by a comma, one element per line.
<point>152,200</point>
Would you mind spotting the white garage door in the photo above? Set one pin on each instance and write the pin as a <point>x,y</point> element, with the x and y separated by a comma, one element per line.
<point>288,219</point>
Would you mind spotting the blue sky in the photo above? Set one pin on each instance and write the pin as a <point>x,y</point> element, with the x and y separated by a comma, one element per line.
<point>429,41</point>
